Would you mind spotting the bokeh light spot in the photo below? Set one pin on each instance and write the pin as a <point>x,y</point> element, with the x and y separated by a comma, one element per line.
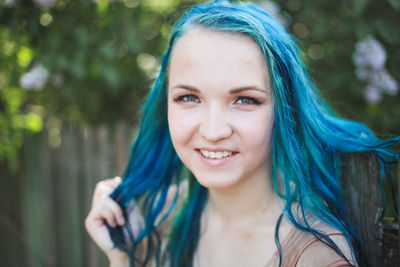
<point>45,19</point>
<point>25,55</point>
<point>146,61</point>
<point>301,30</point>
<point>131,3</point>
<point>316,51</point>
<point>160,5</point>
<point>34,122</point>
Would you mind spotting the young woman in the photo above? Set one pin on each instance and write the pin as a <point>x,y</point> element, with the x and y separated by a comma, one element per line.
<point>237,159</point>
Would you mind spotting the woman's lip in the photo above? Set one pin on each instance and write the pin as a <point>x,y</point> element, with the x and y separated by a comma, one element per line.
<point>216,162</point>
<point>216,149</point>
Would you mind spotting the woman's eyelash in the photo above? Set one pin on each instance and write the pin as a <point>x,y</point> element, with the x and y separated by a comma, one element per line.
<point>246,100</point>
<point>187,98</point>
<point>241,100</point>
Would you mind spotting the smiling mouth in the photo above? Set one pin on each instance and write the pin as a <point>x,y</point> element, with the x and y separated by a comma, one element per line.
<point>216,154</point>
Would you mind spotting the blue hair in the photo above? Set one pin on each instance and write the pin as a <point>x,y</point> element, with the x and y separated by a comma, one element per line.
<point>309,141</point>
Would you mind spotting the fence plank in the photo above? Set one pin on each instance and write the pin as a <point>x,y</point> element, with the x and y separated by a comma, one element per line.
<point>69,202</point>
<point>97,171</point>
<point>12,233</point>
<point>47,205</point>
<point>398,206</point>
<point>33,199</point>
<point>359,181</point>
<point>89,144</point>
<point>122,143</point>
<point>361,193</point>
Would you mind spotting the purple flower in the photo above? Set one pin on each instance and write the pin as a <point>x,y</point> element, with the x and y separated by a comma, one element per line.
<point>35,79</point>
<point>45,4</point>
<point>372,94</point>
<point>362,73</point>
<point>9,3</point>
<point>384,81</point>
<point>370,59</point>
<point>369,54</point>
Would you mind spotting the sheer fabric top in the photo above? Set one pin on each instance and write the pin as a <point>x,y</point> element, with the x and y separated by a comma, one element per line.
<point>302,249</point>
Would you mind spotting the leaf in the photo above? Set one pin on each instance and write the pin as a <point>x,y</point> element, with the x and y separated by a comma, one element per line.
<point>360,5</point>
<point>389,33</point>
<point>395,4</point>
<point>102,7</point>
<point>111,77</point>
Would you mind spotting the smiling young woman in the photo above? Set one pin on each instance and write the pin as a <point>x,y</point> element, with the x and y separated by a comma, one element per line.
<point>220,111</point>
<point>237,159</point>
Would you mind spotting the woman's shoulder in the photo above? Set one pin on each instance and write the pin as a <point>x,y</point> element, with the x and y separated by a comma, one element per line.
<point>303,249</point>
<point>316,253</point>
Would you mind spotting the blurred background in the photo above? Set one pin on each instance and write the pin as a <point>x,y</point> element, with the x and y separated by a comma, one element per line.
<point>74,75</point>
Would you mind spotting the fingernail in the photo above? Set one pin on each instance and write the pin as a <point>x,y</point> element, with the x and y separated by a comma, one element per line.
<point>121,221</point>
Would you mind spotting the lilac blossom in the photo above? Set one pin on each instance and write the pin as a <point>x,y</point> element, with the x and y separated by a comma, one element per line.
<point>9,3</point>
<point>370,58</point>
<point>45,4</point>
<point>372,94</point>
<point>35,79</point>
<point>370,54</point>
<point>385,82</point>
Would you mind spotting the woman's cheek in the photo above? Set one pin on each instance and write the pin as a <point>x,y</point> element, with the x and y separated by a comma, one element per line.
<point>182,124</point>
<point>255,127</point>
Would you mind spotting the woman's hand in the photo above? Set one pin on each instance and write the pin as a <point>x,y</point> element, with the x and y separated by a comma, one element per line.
<point>105,209</point>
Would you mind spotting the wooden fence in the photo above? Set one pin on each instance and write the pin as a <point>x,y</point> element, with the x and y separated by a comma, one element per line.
<point>381,237</point>
<point>44,204</point>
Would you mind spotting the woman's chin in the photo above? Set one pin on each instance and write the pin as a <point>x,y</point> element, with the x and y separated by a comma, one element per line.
<point>217,183</point>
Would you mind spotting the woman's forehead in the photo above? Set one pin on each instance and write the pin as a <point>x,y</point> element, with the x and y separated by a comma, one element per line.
<point>218,56</point>
<point>202,39</point>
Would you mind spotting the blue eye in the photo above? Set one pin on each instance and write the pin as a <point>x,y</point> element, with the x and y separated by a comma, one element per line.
<point>188,99</point>
<point>245,100</point>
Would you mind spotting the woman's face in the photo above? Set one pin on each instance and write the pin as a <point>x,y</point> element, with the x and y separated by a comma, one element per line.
<point>220,107</point>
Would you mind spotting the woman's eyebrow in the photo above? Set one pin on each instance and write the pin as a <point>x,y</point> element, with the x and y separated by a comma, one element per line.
<point>232,91</point>
<point>247,88</point>
<point>187,87</point>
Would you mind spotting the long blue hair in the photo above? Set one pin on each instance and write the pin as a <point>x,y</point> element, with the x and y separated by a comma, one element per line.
<point>308,142</point>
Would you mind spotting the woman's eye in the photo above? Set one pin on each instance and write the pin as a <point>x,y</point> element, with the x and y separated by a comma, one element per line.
<point>188,99</point>
<point>245,100</point>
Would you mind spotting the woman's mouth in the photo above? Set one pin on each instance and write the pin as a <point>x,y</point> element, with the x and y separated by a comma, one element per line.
<point>216,157</point>
<point>215,154</point>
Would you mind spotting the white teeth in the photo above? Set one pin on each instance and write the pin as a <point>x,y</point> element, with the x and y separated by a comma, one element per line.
<point>215,155</point>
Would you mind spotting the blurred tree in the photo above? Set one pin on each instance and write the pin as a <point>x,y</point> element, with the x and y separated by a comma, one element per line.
<point>328,33</point>
<point>93,61</point>
<point>77,61</point>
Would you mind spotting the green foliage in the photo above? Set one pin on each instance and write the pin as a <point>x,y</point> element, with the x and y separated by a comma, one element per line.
<point>101,57</point>
<point>332,31</point>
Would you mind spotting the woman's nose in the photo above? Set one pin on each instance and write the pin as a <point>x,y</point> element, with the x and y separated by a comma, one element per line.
<point>215,125</point>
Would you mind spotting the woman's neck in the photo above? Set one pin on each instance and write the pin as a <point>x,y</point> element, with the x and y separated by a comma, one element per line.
<point>249,201</point>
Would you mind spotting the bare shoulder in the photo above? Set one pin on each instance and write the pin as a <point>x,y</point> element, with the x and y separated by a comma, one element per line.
<point>315,253</point>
